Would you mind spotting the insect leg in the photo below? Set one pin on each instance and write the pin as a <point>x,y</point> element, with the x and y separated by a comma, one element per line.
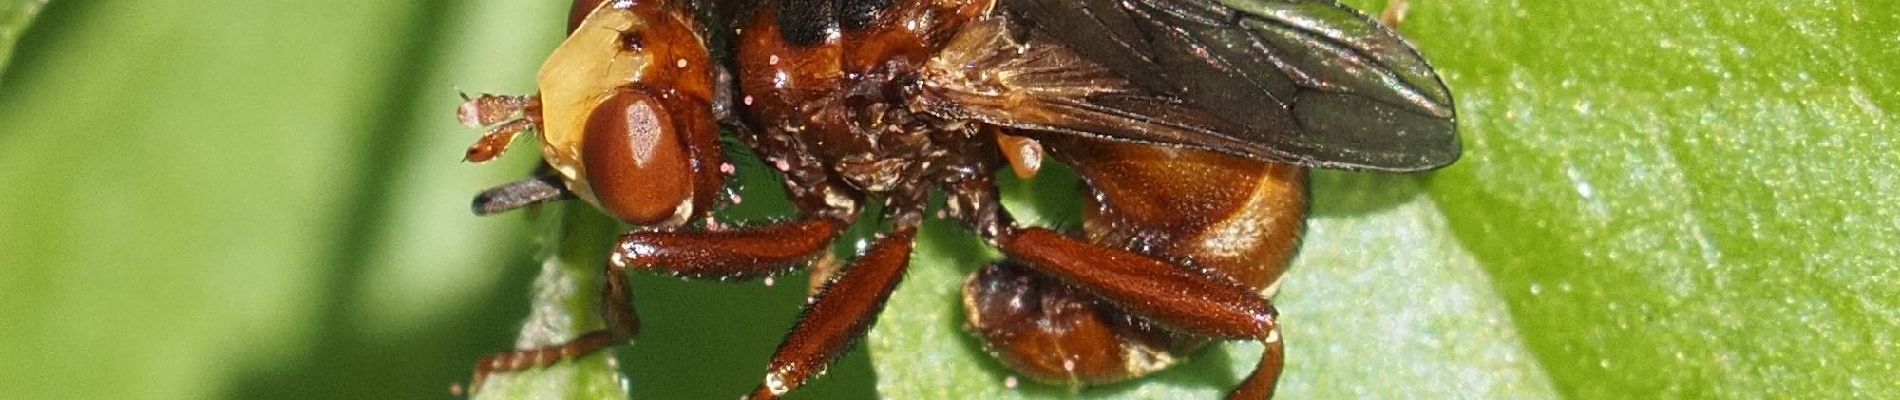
<point>1183,239</point>
<point>838,315</point>
<point>1175,296</point>
<point>1051,332</point>
<point>739,253</point>
<point>750,252</point>
<point>725,254</point>
<point>622,324</point>
<point>1146,286</point>
<point>849,302</point>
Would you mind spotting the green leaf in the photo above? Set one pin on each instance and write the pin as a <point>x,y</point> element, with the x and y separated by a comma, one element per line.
<point>1683,199</point>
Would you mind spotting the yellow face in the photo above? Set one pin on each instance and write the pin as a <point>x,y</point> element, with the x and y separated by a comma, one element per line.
<point>582,73</point>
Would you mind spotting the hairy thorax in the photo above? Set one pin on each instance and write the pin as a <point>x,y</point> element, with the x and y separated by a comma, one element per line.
<point>834,88</point>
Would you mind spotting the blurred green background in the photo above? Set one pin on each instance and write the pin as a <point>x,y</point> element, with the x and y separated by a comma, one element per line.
<point>225,199</point>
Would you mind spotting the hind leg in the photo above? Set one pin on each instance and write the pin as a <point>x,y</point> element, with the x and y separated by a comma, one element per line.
<point>1055,333</point>
<point>1178,245</point>
<point>1170,295</point>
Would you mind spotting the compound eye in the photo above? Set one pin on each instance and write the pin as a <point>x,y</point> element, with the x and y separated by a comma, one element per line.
<point>636,161</point>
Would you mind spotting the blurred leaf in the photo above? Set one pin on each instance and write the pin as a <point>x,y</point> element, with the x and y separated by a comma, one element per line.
<point>1683,199</point>
<point>184,199</point>
<point>15,17</point>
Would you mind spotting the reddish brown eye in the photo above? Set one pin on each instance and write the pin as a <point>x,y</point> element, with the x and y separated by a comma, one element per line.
<point>635,160</point>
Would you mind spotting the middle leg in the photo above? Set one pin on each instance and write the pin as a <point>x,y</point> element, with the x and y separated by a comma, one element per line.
<point>838,315</point>
<point>849,302</point>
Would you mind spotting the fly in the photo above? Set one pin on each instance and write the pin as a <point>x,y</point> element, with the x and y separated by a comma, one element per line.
<point>1191,122</point>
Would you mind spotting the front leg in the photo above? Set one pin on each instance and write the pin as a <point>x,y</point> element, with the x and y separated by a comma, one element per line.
<point>616,310</point>
<point>737,253</point>
<point>712,255</point>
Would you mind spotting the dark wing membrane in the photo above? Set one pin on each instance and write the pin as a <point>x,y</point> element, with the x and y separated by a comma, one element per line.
<point>988,73</point>
<point>1306,82</point>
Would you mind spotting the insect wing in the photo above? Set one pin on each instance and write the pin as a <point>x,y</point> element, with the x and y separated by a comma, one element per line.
<point>1307,82</point>
<point>989,72</point>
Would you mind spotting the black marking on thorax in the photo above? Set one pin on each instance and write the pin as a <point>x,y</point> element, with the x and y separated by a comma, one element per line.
<point>806,23</point>
<point>858,14</point>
